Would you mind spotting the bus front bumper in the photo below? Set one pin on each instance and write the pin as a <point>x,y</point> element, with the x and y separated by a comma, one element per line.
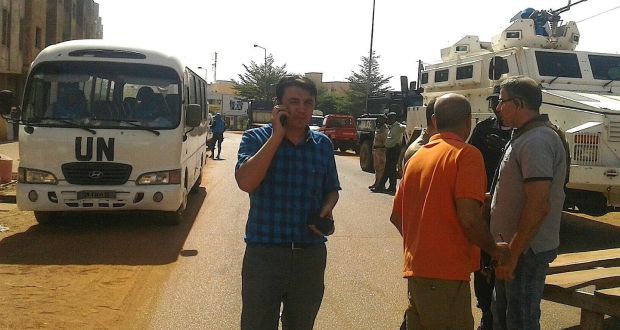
<point>40,197</point>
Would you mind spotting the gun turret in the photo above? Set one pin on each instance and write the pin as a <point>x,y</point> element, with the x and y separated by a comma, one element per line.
<point>553,16</point>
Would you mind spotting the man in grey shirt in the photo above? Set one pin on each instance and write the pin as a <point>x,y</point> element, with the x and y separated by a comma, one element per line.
<point>527,205</point>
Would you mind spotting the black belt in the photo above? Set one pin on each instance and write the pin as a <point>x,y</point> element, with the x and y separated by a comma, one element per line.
<point>289,245</point>
<point>378,147</point>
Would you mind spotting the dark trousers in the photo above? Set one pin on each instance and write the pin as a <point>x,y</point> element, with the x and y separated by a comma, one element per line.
<point>274,276</point>
<point>217,137</point>
<point>389,173</point>
<point>484,283</point>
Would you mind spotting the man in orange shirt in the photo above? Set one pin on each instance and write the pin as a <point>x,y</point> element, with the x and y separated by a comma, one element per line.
<point>437,210</point>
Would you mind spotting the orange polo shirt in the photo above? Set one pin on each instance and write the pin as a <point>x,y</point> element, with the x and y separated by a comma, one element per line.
<point>435,246</point>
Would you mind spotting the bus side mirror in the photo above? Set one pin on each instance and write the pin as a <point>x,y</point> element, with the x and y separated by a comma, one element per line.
<point>193,115</point>
<point>6,101</point>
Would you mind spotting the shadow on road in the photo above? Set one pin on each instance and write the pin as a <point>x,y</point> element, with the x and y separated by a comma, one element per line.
<point>578,234</point>
<point>346,153</point>
<point>110,238</point>
<point>610,323</point>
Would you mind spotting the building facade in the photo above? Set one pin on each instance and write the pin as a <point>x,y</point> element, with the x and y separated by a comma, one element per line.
<point>28,26</point>
<point>222,98</point>
<point>339,88</point>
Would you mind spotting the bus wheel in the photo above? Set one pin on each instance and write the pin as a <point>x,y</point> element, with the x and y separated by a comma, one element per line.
<point>196,186</point>
<point>366,157</point>
<point>173,218</point>
<point>46,217</point>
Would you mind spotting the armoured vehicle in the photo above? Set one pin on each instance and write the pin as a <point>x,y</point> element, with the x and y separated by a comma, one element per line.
<point>581,94</point>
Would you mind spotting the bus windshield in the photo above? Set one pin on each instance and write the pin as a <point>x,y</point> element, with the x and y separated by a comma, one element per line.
<point>102,95</point>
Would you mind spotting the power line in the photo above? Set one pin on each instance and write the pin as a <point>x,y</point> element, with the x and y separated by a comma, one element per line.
<point>599,14</point>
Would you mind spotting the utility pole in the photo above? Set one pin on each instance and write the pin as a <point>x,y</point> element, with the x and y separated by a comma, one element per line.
<point>215,67</point>
<point>372,31</point>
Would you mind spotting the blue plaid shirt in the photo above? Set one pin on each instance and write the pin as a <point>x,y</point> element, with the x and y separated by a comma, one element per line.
<point>298,179</point>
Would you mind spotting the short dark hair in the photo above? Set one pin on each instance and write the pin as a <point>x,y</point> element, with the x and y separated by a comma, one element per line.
<point>526,89</point>
<point>430,111</point>
<point>298,81</point>
<point>451,111</point>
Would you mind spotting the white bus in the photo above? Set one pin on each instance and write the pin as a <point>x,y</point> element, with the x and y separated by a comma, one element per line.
<point>110,128</point>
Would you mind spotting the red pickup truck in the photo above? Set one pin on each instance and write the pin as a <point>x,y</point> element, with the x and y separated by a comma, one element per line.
<point>341,130</point>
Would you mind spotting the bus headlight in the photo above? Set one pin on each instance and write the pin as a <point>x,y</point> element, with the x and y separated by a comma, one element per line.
<point>161,177</point>
<point>29,175</point>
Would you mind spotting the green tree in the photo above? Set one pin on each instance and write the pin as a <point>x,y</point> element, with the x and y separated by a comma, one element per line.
<point>330,103</point>
<point>258,82</point>
<point>363,84</point>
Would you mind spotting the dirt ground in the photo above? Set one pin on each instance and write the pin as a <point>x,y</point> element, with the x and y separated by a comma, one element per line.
<point>78,274</point>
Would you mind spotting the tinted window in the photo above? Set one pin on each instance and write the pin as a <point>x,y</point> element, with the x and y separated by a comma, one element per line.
<point>497,67</point>
<point>558,64</point>
<point>441,75</point>
<point>464,72</point>
<point>424,79</point>
<point>604,67</point>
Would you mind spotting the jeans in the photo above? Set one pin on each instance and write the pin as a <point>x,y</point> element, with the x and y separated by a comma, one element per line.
<point>516,303</point>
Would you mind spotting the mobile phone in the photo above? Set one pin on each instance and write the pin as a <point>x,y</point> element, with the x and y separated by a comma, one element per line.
<point>283,119</point>
<point>324,225</point>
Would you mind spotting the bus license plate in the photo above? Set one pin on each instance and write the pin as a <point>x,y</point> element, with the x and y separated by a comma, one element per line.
<point>90,194</point>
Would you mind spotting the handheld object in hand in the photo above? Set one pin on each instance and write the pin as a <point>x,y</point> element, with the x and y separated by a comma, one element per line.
<point>324,225</point>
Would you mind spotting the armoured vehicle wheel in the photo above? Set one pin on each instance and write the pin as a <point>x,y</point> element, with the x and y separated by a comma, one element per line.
<point>366,157</point>
<point>593,204</point>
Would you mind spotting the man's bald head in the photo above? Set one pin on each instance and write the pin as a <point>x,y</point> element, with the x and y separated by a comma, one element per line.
<point>452,111</point>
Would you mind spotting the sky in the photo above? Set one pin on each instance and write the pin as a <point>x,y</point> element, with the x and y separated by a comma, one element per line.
<point>330,36</point>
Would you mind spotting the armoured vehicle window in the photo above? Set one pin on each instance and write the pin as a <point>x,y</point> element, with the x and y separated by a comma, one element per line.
<point>605,67</point>
<point>464,72</point>
<point>558,64</point>
<point>441,75</point>
<point>424,79</point>
<point>497,67</point>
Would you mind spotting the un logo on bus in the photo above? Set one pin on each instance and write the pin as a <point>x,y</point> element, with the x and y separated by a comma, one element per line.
<point>103,148</point>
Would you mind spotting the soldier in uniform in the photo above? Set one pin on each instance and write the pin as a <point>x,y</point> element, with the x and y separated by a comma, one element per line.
<point>490,137</point>
<point>378,149</point>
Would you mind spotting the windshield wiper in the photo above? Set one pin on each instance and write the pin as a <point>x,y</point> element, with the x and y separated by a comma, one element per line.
<point>554,79</point>
<point>132,123</point>
<point>71,123</point>
<point>609,82</point>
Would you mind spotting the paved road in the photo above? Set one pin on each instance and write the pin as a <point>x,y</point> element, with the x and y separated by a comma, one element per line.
<point>126,272</point>
<point>364,289</point>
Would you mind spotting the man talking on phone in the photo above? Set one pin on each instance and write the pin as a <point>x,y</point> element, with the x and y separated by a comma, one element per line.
<point>290,174</point>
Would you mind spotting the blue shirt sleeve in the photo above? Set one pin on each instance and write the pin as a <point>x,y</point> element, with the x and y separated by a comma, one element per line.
<point>249,147</point>
<point>331,178</point>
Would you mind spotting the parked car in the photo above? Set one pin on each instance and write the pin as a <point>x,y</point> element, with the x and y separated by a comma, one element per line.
<point>316,122</point>
<point>341,130</point>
